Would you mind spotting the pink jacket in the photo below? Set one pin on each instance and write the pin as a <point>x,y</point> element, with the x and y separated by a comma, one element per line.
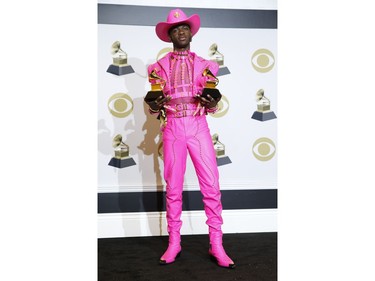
<point>162,68</point>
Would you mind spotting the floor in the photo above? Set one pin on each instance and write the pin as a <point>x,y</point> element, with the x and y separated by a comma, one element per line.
<point>136,259</point>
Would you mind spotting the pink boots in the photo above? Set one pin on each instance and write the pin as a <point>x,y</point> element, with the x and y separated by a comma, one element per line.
<point>217,252</point>
<point>174,249</point>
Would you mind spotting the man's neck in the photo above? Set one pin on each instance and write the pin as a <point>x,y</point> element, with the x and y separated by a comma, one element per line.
<point>181,49</point>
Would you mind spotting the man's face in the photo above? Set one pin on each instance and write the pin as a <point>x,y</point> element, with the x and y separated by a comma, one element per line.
<point>180,36</point>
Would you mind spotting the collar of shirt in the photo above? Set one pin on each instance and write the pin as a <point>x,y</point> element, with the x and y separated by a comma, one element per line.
<point>181,55</point>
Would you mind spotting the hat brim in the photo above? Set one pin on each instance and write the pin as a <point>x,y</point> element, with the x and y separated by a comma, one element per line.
<point>162,28</point>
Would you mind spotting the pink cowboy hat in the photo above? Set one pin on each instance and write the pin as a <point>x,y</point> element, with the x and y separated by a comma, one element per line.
<point>176,17</point>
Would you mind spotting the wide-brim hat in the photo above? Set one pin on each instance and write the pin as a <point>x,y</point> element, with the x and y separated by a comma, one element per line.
<point>176,17</point>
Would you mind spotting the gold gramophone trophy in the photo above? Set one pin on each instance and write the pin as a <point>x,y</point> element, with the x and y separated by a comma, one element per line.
<point>221,158</point>
<point>122,158</point>
<point>210,87</point>
<point>120,64</point>
<point>219,58</point>
<point>263,112</point>
<point>157,86</point>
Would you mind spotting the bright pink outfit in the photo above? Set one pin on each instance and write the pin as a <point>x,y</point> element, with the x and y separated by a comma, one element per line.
<point>186,131</point>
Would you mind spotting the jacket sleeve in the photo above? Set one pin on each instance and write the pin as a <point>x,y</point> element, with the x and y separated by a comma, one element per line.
<point>213,66</point>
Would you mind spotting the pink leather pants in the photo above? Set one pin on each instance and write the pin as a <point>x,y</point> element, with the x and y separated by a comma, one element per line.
<point>191,135</point>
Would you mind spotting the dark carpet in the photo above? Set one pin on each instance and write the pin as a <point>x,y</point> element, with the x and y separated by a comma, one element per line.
<point>136,259</point>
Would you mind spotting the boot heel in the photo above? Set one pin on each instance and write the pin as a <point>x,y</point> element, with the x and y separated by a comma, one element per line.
<point>164,262</point>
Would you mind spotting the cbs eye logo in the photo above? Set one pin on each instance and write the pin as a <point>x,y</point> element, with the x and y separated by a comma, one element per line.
<point>120,105</point>
<point>223,107</point>
<point>263,60</point>
<point>264,149</point>
<point>163,52</point>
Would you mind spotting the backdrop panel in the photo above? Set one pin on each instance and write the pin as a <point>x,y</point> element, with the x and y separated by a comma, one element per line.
<point>248,41</point>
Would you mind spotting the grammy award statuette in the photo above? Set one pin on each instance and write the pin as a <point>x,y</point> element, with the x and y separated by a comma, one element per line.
<point>221,158</point>
<point>263,112</point>
<point>210,87</point>
<point>120,64</point>
<point>121,158</point>
<point>219,58</point>
<point>157,85</point>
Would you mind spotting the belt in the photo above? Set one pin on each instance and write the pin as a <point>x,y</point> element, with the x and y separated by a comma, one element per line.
<point>185,106</point>
<point>180,114</point>
<point>181,110</point>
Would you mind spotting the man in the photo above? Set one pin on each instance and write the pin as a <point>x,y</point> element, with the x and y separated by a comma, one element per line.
<point>183,110</point>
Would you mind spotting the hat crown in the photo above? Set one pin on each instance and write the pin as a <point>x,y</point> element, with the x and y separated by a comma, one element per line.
<point>176,16</point>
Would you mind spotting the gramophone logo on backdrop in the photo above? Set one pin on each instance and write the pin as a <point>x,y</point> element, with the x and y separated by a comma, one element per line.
<point>263,60</point>
<point>121,158</point>
<point>221,158</point>
<point>120,64</point>
<point>163,52</point>
<point>263,112</point>
<point>219,58</point>
<point>120,105</point>
<point>264,149</point>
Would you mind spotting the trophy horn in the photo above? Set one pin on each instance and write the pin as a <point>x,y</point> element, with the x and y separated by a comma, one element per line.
<point>215,137</point>
<point>116,48</point>
<point>213,50</point>
<point>117,140</point>
<point>207,72</point>
<point>259,95</point>
<point>154,76</point>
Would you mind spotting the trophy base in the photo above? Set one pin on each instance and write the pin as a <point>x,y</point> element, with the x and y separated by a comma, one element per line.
<point>263,116</point>
<point>223,71</point>
<point>223,160</point>
<point>120,70</point>
<point>121,163</point>
<point>152,95</point>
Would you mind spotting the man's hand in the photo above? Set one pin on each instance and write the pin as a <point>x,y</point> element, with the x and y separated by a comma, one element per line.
<point>208,101</point>
<point>157,104</point>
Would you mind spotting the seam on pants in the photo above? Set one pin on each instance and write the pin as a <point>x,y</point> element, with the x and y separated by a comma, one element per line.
<point>200,155</point>
<point>174,153</point>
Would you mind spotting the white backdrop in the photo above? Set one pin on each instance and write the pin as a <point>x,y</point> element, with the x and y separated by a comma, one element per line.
<point>236,129</point>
